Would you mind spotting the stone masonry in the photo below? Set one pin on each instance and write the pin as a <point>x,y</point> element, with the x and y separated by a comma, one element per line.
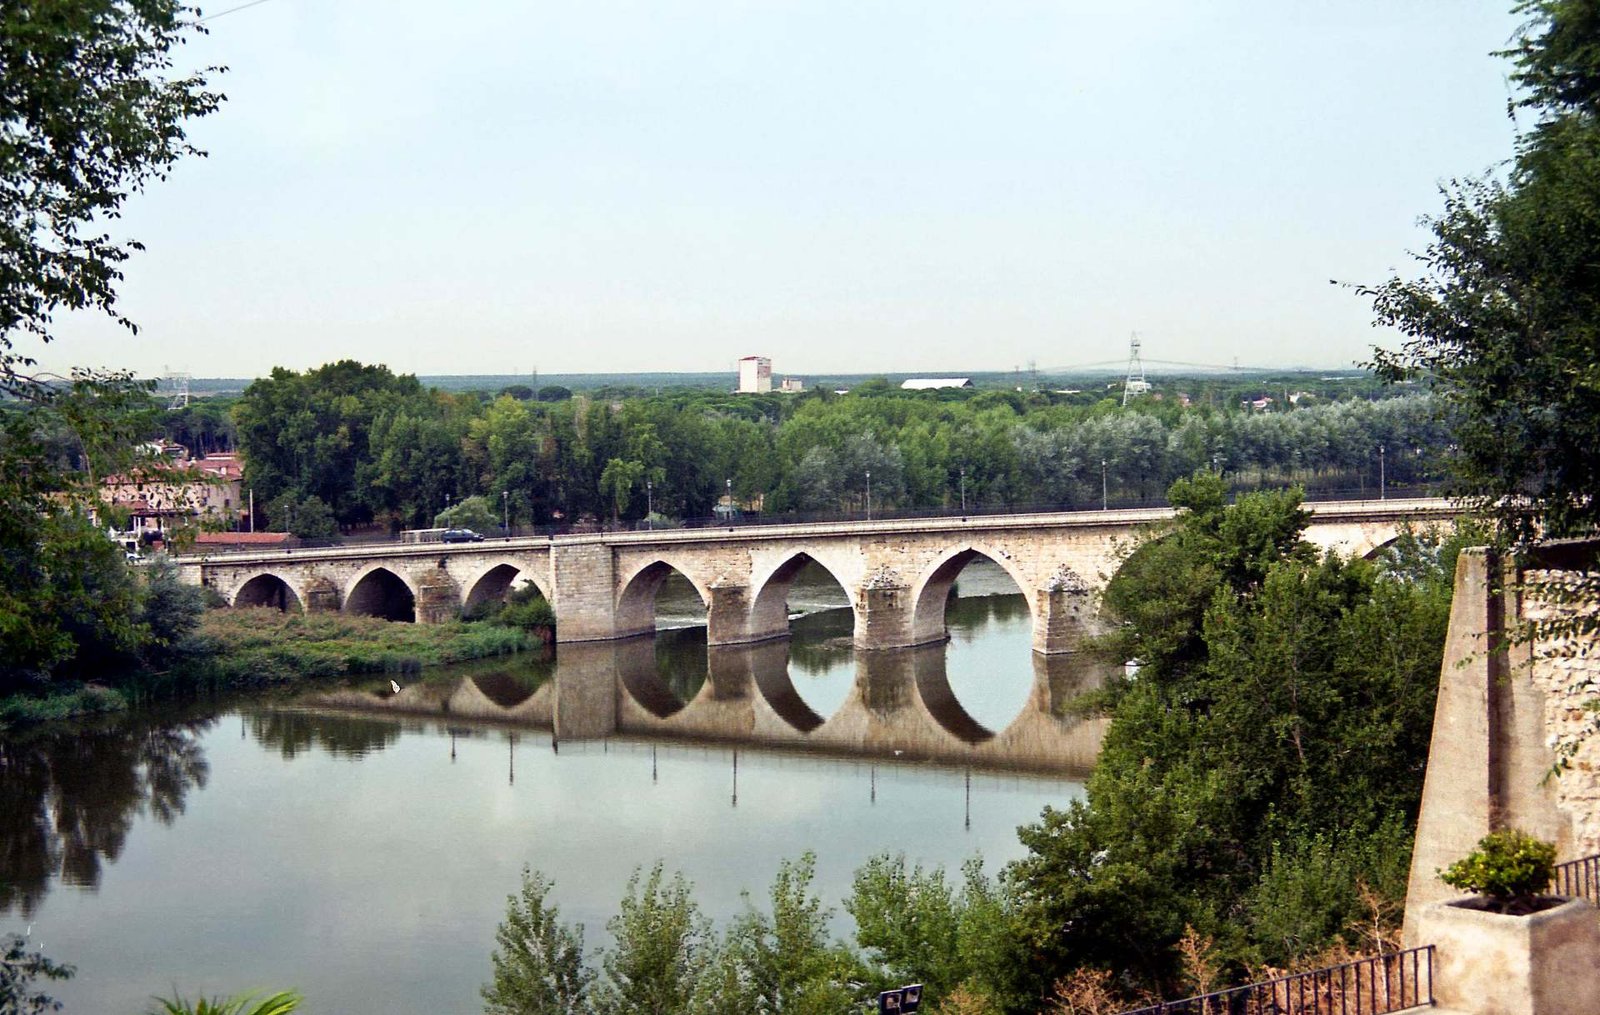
<point>896,572</point>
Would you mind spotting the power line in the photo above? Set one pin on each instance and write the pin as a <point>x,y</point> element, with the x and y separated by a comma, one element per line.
<point>230,10</point>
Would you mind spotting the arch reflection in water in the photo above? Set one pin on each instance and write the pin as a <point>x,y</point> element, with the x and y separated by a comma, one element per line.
<point>899,705</point>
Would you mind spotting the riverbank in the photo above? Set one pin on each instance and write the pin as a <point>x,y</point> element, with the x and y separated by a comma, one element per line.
<point>238,650</point>
<point>262,648</point>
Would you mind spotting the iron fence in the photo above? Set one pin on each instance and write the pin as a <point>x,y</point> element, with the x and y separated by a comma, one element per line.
<point>1372,986</point>
<point>1580,878</point>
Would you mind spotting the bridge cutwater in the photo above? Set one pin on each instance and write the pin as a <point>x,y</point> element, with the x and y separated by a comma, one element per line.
<point>897,572</point>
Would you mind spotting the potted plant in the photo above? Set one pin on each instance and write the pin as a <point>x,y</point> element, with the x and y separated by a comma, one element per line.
<point>1510,949</point>
<point>1507,873</point>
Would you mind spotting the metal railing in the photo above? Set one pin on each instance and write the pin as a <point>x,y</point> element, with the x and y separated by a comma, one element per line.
<point>759,520</point>
<point>1579,878</point>
<point>1372,986</point>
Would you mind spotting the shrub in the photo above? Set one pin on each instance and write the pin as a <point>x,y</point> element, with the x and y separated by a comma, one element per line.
<point>1508,864</point>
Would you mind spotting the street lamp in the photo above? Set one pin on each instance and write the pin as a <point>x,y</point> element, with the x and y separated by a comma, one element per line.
<point>1383,485</point>
<point>963,489</point>
<point>649,503</point>
<point>1105,497</point>
<point>729,484</point>
<point>869,495</point>
<point>505,511</point>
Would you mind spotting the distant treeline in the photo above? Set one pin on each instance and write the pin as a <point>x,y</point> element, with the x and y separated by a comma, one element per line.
<point>348,444</point>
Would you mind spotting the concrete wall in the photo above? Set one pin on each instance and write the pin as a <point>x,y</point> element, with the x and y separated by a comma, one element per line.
<point>1504,704</point>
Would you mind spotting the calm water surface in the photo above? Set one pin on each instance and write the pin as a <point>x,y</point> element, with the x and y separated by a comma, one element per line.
<point>360,845</point>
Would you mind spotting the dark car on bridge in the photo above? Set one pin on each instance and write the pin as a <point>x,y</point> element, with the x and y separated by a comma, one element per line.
<point>460,536</point>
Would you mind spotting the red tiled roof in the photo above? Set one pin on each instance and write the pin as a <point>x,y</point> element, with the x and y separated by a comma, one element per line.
<point>240,538</point>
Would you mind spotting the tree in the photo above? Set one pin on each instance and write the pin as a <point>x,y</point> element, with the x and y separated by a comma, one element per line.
<point>89,117</point>
<point>783,963</point>
<point>310,435</point>
<point>1266,760</point>
<point>914,926</point>
<point>474,513</point>
<point>308,518</point>
<point>19,968</point>
<point>617,481</point>
<point>538,960</point>
<point>65,592</point>
<point>1506,313</point>
<point>661,950</point>
<point>170,613</point>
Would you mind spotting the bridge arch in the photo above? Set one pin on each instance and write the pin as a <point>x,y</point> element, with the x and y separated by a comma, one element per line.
<point>379,592</point>
<point>933,590</point>
<point>496,581</point>
<point>769,608</point>
<point>636,603</point>
<point>267,589</point>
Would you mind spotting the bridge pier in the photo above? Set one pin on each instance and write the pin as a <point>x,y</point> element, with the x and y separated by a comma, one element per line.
<point>885,613</point>
<point>438,598</point>
<point>1062,619</point>
<point>584,578</point>
<point>732,619</point>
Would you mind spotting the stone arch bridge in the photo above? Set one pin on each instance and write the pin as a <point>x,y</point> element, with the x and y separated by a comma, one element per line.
<point>896,572</point>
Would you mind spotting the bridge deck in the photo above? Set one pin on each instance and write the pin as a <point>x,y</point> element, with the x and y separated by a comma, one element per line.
<point>1325,511</point>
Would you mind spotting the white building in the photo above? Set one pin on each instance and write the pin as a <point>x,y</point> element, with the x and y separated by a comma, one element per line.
<point>932,383</point>
<point>755,375</point>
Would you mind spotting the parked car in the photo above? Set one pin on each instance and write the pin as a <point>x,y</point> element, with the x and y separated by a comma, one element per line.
<point>460,536</point>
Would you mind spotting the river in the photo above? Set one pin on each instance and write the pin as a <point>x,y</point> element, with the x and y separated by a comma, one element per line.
<point>359,844</point>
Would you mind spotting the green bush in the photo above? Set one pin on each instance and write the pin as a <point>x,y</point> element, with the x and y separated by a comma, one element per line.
<point>1508,864</point>
<point>21,710</point>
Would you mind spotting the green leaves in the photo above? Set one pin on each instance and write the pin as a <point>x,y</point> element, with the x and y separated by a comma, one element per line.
<point>1505,315</point>
<point>91,115</point>
<point>538,961</point>
<point>281,1003</point>
<point>1274,735</point>
<point>663,944</point>
<point>19,969</point>
<point>1508,864</point>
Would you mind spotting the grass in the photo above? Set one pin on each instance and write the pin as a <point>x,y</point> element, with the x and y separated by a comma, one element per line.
<point>22,710</point>
<point>263,647</point>
<point>253,649</point>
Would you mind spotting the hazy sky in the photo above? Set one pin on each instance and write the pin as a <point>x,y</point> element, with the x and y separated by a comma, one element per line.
<point>494,187</point>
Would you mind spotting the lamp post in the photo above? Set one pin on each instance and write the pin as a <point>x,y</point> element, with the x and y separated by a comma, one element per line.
<point>505,511</point>
<point>1383,478</point>
<point>1105,496</point>
<point>869,495</point>
<point>649,503</point>
<point>729,484</point>
<point>963,489</point>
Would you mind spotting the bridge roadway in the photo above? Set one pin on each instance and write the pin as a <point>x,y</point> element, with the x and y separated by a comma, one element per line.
<point>896,572</point>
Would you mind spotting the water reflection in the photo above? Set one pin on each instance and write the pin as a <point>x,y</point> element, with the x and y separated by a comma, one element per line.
<point>292,734</point>
<point>899,704</point>
<point>68,799</point>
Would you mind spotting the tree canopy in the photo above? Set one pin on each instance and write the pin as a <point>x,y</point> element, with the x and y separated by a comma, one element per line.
<point>1505,314</point>
<point>90,116</point>
<point>1267,757</point>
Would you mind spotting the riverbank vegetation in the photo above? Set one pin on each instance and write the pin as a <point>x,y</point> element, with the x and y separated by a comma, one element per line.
<point>171,644</point>
<point>251,648</point>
